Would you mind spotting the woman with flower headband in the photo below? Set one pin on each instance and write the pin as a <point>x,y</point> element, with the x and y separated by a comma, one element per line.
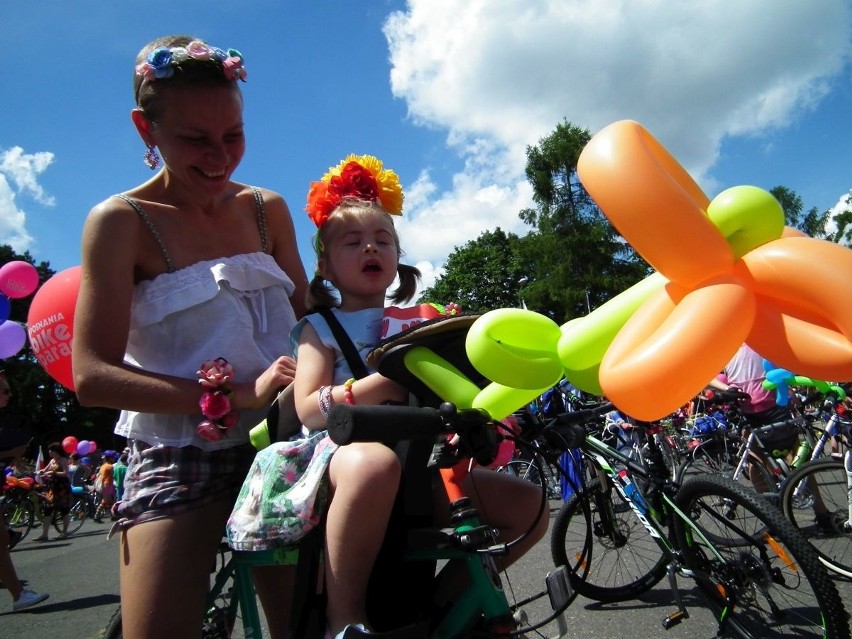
<point>187,277</point>
<point>358,254</point>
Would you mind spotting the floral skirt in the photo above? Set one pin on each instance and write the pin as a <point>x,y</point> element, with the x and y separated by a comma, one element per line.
<point>283,496</point>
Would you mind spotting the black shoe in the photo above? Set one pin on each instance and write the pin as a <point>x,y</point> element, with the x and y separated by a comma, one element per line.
<point>14,538</point>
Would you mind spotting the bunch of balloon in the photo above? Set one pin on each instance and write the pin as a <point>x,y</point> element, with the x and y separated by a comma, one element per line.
<point>727,271</point>
<point>50,324</point>
<point>18,279</point>
<point>82,447</point>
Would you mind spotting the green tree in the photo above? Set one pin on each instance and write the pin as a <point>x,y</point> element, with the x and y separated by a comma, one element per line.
<point>39,403</point>
<point>579,261</point>
<point>815,223</point>
<point>482,275</point>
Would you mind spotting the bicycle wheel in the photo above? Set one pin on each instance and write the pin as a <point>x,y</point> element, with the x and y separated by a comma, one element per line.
<point>19,515</point>
<point>759,574</point>
<point>709,457</point>
<point>821,486</point>
<point>608,552</point>
<point>525,469</point>
<point>77,514</point>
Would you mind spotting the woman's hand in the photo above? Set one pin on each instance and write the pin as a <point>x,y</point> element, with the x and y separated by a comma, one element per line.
<point>260,392</point>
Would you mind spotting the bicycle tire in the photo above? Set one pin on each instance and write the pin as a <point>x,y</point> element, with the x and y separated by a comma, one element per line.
<point>767,580</point>
<point>78,514</point>
<point>718,461</point>
<point>56,518</point>
<point>828,476</point>
<point>709,457</point>
<point>19,515</point>
<point>537,471</point>
<point>608,552</point>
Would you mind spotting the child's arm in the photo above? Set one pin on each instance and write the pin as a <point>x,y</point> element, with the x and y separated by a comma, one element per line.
<point>316,369</point>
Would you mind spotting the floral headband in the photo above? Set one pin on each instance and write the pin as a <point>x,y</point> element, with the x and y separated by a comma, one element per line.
<point>359,176</point>
<point>162,62</point>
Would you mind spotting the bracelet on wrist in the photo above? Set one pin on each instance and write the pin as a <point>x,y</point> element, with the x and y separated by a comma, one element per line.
<point>325,400</point>
<point>215,401</point>
<point>348,395</point>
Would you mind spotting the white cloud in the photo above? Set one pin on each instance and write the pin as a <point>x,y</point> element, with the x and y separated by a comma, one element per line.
<point>498,76</point>
<point>22,170</point>
<point>843,204</point>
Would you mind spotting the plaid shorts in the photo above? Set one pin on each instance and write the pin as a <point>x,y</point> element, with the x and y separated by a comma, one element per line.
<point>163,481</point>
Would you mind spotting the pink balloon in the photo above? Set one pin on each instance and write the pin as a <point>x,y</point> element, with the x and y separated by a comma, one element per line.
<point>94,446</point>
<point>18,279</point>
<point>12,338</point>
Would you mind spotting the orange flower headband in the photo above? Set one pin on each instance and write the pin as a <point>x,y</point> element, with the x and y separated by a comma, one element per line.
<point>359,176</point>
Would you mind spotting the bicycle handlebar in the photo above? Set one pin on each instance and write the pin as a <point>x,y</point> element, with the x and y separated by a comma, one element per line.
<point>719,396</point>
<point>369,423</point>
<point>567,430</point>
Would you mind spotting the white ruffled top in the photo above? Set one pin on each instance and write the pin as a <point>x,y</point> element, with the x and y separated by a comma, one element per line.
<point>234,307</point>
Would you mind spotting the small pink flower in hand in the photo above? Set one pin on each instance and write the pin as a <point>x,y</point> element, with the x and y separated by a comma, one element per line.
<point>214,405</point>
<point>215,373</point>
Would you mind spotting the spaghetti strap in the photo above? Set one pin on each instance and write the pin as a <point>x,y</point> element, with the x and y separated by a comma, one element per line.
<point>170,267</point>
<point>260,210</point>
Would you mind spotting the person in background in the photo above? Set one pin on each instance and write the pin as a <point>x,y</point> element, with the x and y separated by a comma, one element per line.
<point>119,470</point>
<point>190,276</point>
<point>22,598</point>
<point>745,373</point>
<point>80,469</point>
<point>58,482</point>
<point>105,486</point>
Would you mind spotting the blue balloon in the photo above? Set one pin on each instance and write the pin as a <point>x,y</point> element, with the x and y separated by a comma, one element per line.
<point>5,307</point>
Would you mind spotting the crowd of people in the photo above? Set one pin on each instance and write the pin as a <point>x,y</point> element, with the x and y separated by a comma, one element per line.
<point>205,284</point>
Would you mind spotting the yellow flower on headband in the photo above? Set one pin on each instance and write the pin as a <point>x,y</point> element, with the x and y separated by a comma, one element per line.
<point>360,176</point>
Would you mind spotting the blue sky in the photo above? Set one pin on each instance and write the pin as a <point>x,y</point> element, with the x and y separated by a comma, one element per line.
<point>448,93</point>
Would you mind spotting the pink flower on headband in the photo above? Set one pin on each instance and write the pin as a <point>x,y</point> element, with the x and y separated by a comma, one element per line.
<point>162,61</point>
<point>233,67</point>
<point>199,51</point>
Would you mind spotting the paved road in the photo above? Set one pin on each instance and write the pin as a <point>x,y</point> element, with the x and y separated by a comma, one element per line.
<point>81,575</point>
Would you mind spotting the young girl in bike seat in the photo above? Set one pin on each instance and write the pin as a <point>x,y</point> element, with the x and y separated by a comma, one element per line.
<point>358,252</point>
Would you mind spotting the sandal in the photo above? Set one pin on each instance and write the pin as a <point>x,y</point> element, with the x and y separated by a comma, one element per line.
<point>62,536</point>
<point>42,539</point>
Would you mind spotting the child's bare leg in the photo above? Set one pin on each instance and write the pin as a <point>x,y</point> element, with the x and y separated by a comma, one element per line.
<point>364,479</point>
<point>509,504</point>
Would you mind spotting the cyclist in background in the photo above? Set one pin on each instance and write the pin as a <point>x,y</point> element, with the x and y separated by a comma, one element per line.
<point>745,373</point>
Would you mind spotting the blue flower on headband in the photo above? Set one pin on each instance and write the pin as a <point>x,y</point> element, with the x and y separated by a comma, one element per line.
<point>161,62</point>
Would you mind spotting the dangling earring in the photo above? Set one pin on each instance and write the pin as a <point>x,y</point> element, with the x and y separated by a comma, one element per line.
<point>151,159</point>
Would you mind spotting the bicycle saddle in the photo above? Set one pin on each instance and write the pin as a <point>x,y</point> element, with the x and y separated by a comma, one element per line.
<point>444,336</point>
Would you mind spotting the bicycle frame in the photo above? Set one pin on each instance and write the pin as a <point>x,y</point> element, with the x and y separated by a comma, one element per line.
<point>655,517</point>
